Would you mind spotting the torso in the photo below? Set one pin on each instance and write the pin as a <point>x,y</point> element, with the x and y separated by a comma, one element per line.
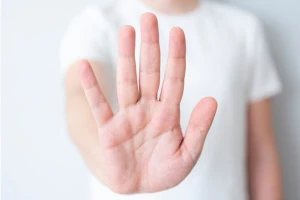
<point>215,67</point>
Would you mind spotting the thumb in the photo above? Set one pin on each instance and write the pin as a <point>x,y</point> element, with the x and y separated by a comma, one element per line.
<point>198,127</point>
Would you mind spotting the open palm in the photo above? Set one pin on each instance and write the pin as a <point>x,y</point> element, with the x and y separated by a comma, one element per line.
<point>142,145</point>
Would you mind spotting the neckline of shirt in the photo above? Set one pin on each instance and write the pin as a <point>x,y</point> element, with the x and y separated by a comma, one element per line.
<point>145,8</point>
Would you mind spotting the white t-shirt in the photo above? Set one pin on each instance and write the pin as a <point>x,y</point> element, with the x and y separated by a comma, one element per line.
<point>227,58</point>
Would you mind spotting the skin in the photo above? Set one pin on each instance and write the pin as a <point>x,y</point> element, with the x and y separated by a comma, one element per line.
<point>263,163</point>
<point>141,148</point>
<point>172,7</point>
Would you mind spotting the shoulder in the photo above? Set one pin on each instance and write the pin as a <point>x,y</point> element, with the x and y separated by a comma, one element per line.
<point>90,26</point>
<point>228,11</point>
<point>237,24</point>
<point>233,17</point>
<point>93,16</point>
<point>87,36</point>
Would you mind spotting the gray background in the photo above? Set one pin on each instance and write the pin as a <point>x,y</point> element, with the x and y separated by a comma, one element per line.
<point>39,162</point>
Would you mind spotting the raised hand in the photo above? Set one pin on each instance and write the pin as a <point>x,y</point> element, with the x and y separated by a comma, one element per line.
<point>142,145</point>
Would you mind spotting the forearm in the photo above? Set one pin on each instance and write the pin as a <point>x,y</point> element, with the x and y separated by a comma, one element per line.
<point>263,162</point>
<point>264,173</point>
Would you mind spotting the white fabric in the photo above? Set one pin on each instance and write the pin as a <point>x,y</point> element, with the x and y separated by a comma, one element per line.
<point>227,58</point>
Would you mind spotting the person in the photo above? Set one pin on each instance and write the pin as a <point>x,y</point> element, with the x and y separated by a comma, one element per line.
<point>142,137</point>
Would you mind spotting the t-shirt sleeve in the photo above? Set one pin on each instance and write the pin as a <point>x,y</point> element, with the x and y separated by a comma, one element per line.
<point>85,38</point>
<point>264,81</point>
